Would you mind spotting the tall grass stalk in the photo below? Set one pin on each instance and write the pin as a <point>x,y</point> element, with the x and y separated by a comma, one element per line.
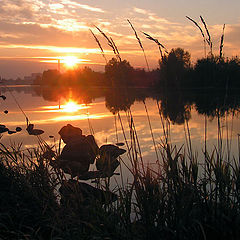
<point>140,44</point>
<point>151,131</point>
<point>165,126</point>
<point>134,137</point>
<point>111,44</point>
<point>188,139</point>
<point>126,142</point>
<point>204,39</point>
<point>209,40</point>
<point>205,135</point>
<point>221,43</point>
<point>99,45</point>
<point>160,46</point>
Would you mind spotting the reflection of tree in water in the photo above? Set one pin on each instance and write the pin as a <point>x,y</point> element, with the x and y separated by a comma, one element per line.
<point>18,89</point>
<point>175,105</point>
<point>215,104</point>
<point>76,94</point>
<point>175,108</point>
<point>119,99</point>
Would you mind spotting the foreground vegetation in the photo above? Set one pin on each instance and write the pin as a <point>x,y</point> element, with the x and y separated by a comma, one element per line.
<point>181,197</point>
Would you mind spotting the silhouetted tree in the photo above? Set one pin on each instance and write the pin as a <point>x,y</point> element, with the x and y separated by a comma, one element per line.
<point>119,73</point>
<point>173,67</point>
<point>50,77</point>
<point>87,77</point>
<point>218,73</point>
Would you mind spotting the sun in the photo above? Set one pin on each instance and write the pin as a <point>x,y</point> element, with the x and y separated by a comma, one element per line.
<point>70,61</point>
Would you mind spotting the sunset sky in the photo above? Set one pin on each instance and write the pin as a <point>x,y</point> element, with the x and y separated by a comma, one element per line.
<point>33,33</point>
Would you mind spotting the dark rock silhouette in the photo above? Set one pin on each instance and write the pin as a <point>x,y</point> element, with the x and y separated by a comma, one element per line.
<point>18,129</point>
<point>79,152</point>
<point>3,128</point>
<point>31,131</point>
<point>11,132</point>
<point>69,133</point>
<point>3,97</point>
<point>107,161</point>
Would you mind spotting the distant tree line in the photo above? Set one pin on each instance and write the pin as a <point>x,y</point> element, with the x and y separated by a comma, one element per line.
<point>175,72</point>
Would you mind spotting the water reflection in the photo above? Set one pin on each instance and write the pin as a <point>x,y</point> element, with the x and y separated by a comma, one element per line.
<point>68,107</point>
<point>95,109</point>
<point>174,105</point>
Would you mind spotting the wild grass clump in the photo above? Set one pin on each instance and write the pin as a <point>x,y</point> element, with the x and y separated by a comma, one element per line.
<point>28,201</point>
<point>180,197</point>
<point>31,206</point>
<point>188,200</point>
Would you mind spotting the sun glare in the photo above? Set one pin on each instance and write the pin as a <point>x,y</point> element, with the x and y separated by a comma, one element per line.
<point>70,61</point>
<point>71,107</point>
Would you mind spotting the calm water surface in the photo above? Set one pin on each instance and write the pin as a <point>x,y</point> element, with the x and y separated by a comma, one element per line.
<point>50,110</point>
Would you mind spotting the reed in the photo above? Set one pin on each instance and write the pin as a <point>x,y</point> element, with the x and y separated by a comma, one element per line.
<point>111,43</point>
<point>160,46</point>
<point>184,198</point>
<point>204,39</point>
<point>221,42</point>
<point>99,45</point>
<point>140,44</point>
<point>209,40</point>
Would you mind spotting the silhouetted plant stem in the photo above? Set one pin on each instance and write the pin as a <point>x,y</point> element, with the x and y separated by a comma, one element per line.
<point>99,45</point>
<point>188,139</point>
<point>15,100</point>
<point>165,129</point>
<point>221,43</point>
<point>116,50</point>
<point>125,138</point>
<point>90,125</point>
<point>220,139</point>
<point>209,41</point>
<point>151,131</point>
<point>204,39</point>
<point>136,139</point>
<point>111,44</point>
<point>140,44</point>
<point>116,129</point>
<point>160,46</point>
<point>205,137</point>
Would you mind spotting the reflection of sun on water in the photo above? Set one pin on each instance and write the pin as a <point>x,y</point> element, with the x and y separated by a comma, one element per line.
<point>70,111</point>
<point>71,107</point>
